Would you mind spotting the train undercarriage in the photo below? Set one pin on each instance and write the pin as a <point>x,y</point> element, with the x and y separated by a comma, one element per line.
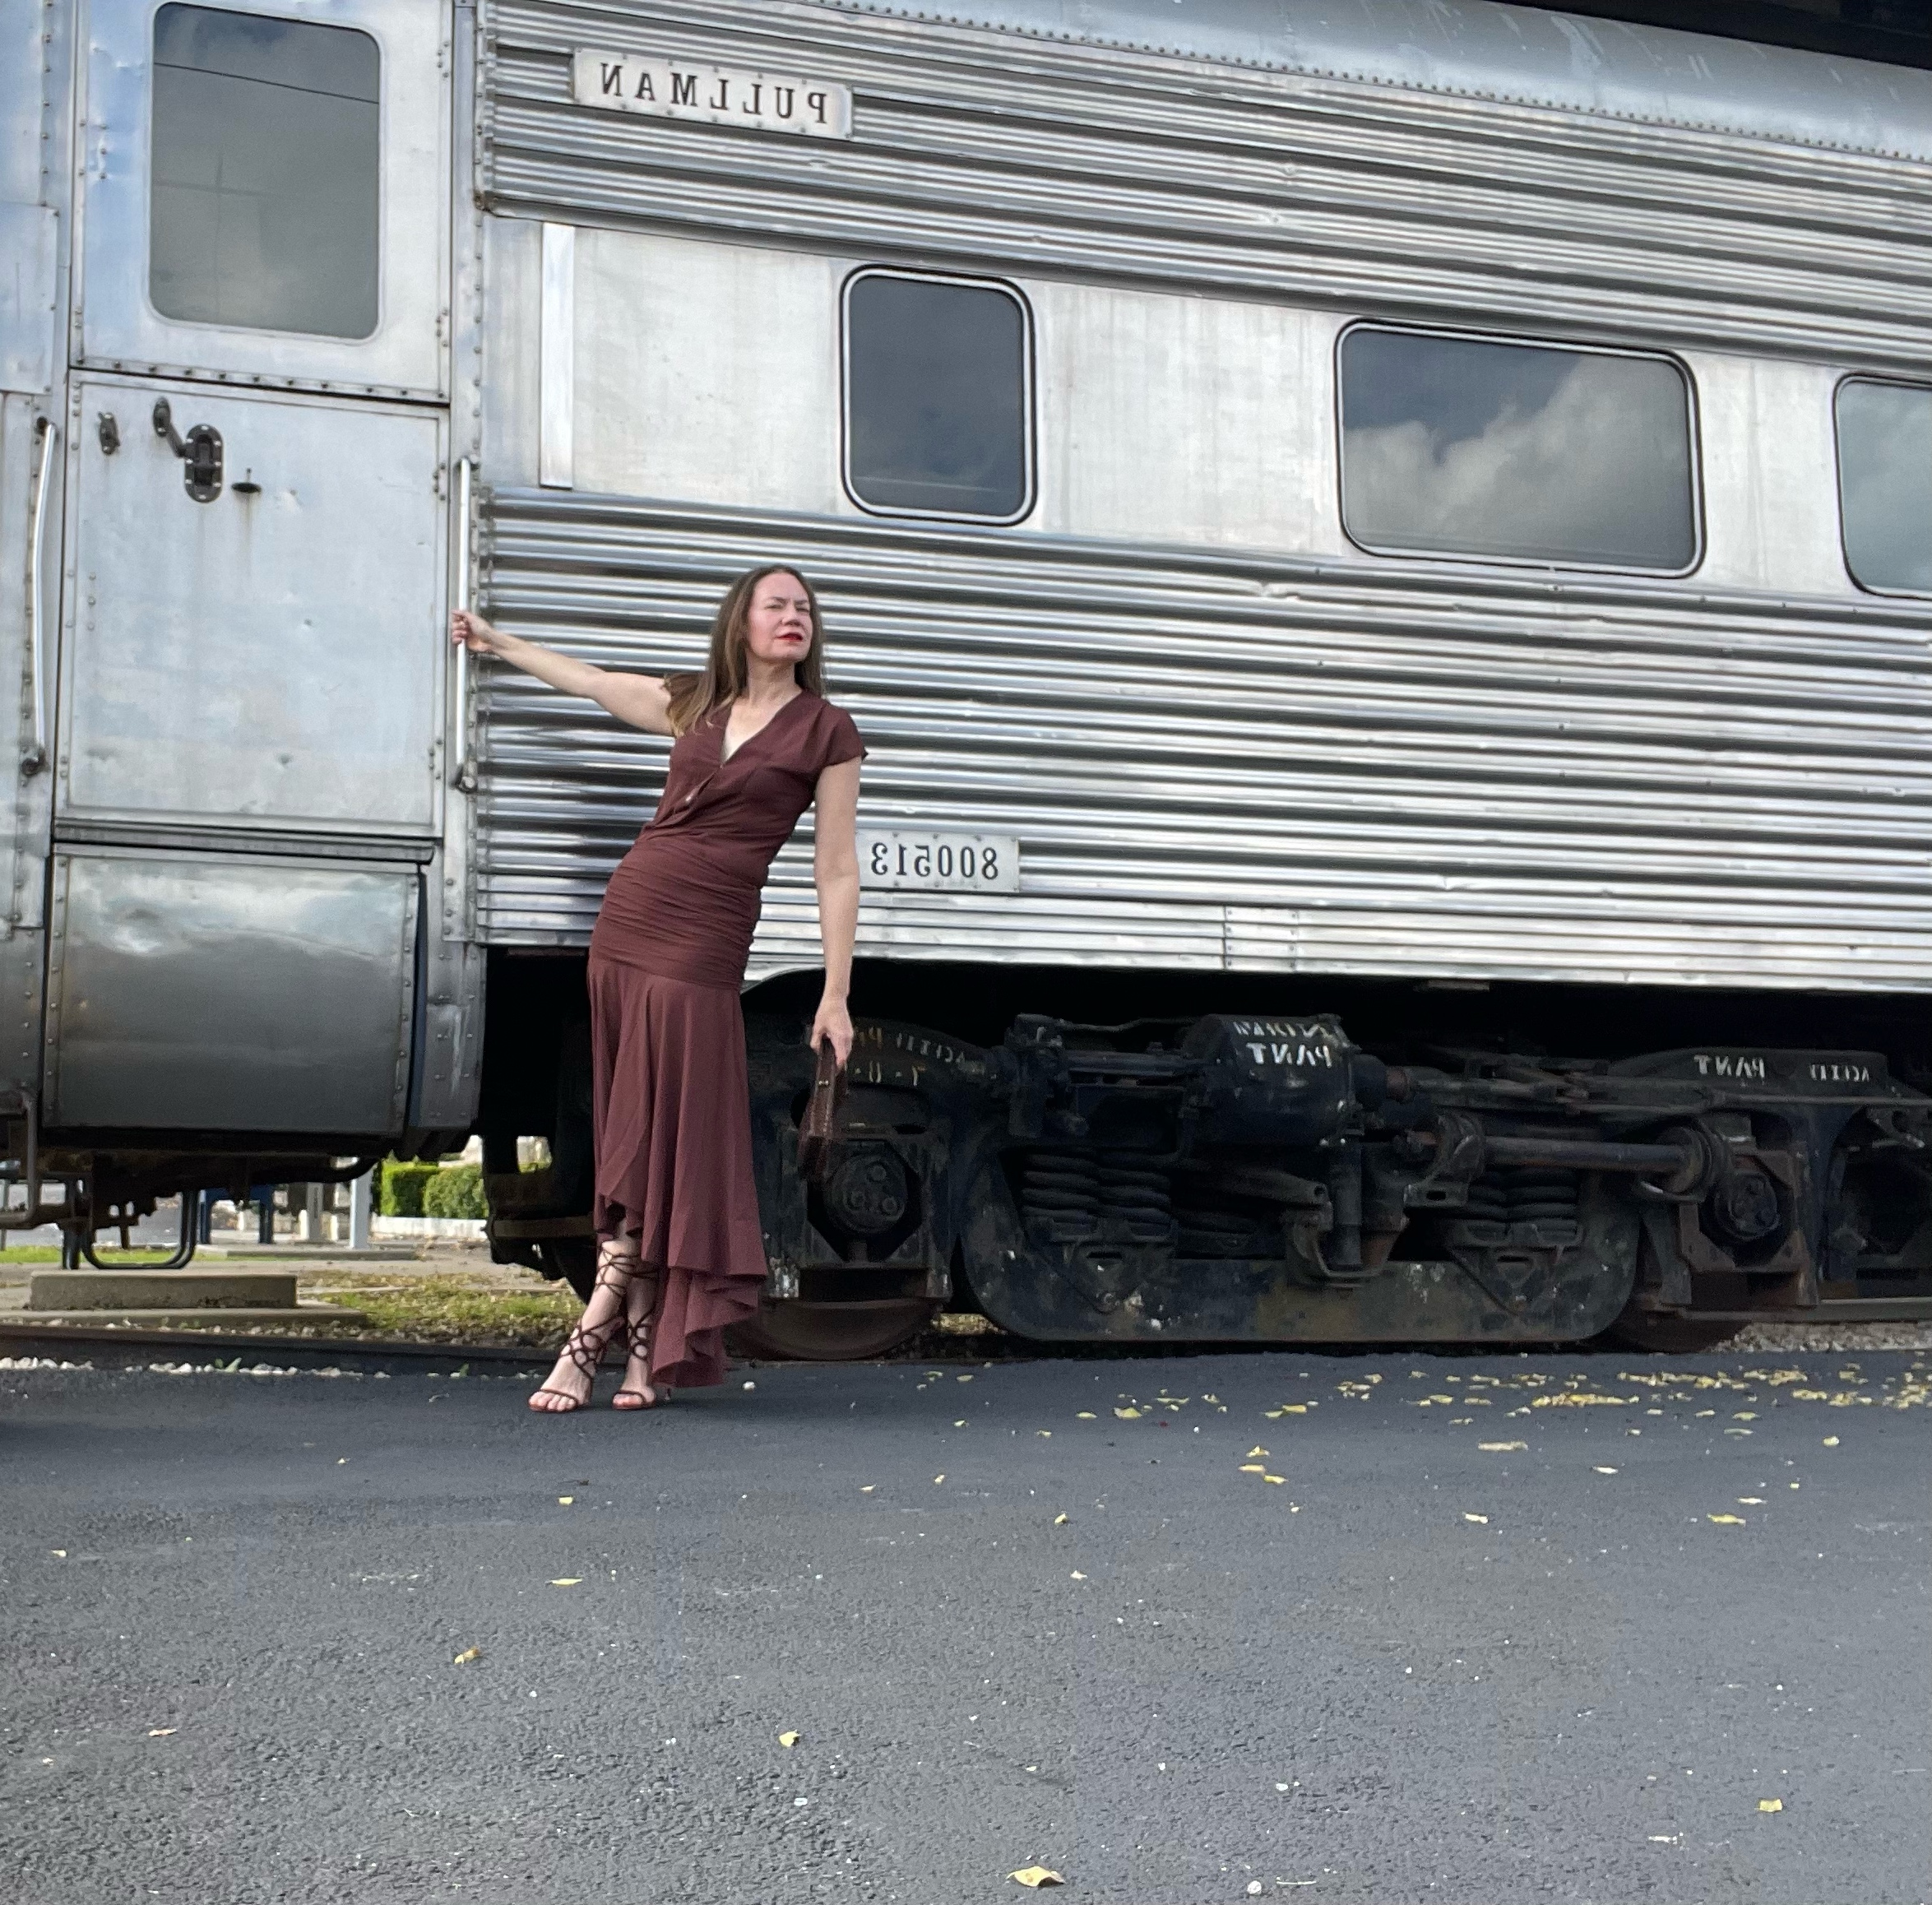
<point>1234,1178</point>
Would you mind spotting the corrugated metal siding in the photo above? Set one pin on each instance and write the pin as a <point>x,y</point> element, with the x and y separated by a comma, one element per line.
<point>1007,151</point>
<point>1223,761</point>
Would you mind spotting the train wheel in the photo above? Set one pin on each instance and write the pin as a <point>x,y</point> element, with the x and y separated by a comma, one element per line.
<point>831,1333</point>
<point>1669,1336</point>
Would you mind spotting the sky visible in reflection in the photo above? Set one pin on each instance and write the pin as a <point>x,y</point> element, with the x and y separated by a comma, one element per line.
<point>1476,448</point>
<point>1885,484</point>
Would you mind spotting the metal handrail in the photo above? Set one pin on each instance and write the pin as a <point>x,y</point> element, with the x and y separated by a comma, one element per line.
<point>35,759</point>
<point>183,1253</point>
<point>464,775</point>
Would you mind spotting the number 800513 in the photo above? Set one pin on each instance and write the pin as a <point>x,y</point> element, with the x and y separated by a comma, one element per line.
<point>953,862</point>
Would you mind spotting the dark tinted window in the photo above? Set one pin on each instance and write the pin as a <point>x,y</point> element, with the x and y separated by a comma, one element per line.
<point>1885,484</point>
<point>937,400</point>
<point>266,149</point>
<point>1468,447</point>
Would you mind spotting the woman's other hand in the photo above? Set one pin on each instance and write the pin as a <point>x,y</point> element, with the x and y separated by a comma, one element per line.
<point>833,1022</point>
<point>470,630</point>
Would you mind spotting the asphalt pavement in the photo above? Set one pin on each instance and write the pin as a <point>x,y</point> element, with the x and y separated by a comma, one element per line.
<point>1373,1628</point>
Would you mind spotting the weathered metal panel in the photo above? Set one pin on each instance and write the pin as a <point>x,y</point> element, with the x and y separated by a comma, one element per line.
<point>263,659</point>
<point>28,236</point>
<point>30,44</point>
<point>1468,163</point>
<point>1255,761</point>
<point>229,992</point>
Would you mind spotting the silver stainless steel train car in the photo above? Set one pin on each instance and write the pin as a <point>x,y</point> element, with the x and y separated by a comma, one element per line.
<point>1383,552</point>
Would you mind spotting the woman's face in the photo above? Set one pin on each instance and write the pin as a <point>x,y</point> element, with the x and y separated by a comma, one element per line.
<point>779,626</point>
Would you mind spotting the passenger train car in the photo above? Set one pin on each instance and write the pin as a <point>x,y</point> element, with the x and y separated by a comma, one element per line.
<point>1383,555</point>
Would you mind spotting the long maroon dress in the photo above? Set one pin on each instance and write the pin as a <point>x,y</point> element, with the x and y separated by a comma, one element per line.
<point>670,1099</point>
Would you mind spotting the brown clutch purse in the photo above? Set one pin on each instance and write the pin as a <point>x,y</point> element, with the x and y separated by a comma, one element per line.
<point>828,1093</point>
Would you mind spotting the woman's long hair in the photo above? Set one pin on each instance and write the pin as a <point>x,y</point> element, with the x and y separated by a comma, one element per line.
<point>693,697</point>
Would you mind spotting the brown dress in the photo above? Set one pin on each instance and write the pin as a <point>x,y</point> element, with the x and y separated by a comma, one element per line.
<point>670,1100</point>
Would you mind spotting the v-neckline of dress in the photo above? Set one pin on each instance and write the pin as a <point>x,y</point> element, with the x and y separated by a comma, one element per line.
<point>725,758</point>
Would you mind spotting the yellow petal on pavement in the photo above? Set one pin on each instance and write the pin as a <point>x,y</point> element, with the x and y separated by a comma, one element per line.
<point>569,1581</point>
<point>1728,1521</point>
<point>1830,1442</point>
<point>565,1500</point>
<point>1253,1468</point>
<point>1128,1414</point>
<point>937,1480</point>
<point>1085,1416</point>
<point>161,1732</point>
<point>788,1739</point>
<point>1600,1469</point>
<point>466,1656</point>
<point>1274,1478</point>
<point>1077,1576</point>
<point>1501,1448</point>
<point>1060,1521</point>
<point>1256,1450</point>
<point>1771,1805</point>
<point>866,1488</point>
<point>1483,1519</point>
<point>1750,1501</point>
<point>1034,1877</point>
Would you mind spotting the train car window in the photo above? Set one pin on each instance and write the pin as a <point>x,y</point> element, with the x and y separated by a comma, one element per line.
<point>1462,446</point>
<point>267,150</point>
<point>939,397</point>
<point>1885,485</point>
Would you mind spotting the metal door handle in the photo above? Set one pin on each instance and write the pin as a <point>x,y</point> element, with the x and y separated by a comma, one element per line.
<point>465,776</point>
<point>34,758</point>
<point>200,450</point>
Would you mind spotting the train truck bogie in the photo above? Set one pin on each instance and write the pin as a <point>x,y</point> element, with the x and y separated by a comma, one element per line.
<point>1255,1177</point>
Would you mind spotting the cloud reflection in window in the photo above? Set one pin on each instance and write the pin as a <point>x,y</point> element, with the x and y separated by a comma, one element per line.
<point>1885,485</point>
<point>1465,446</point>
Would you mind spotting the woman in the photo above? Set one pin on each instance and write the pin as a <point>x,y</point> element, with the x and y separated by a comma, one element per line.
<point>680,1250</point>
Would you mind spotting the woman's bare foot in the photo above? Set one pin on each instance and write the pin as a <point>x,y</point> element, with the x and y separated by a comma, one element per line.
<point>567,1387</point>
<point>637,1390</point>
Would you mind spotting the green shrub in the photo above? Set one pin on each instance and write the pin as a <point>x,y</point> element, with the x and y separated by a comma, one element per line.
<point>454,1191</point>
<point>400,1192</point>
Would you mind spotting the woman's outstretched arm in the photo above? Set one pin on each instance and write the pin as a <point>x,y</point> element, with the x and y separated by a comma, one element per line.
<point>640,700</point>
<point>835,871</point>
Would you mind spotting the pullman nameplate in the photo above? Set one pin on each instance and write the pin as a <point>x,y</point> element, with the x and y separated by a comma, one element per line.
<point>713,95</point>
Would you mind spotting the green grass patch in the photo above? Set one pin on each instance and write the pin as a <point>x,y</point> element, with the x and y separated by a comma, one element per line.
<point>114,1259</point>
<point>456,1309</point>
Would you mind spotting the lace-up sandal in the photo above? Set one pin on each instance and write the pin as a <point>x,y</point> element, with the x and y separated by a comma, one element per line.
<point>586,1351</point>
<point>584,1347</point>
<point>637,1333</point>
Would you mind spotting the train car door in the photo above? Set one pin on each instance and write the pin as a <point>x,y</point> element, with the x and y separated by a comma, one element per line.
<point>247,771</point>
